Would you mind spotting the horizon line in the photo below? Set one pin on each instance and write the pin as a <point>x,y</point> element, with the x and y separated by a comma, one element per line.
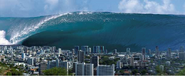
<point>144,13</point>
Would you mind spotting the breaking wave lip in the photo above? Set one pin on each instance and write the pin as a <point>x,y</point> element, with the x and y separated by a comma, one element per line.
<point>3,40</point>
<point>19,35</point>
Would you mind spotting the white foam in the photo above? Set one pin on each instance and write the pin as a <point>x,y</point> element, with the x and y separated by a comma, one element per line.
<point>3,40</point>
<point>82,13</point>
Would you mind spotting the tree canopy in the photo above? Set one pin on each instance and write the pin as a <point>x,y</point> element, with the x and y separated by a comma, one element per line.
<point>106,61</point>
<point>14,71</point>
<point>182,72</point>
<point>55,71</point>
<point>158,70</point>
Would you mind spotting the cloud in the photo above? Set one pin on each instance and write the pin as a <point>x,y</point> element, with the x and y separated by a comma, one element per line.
<point>130,6</point>
<point>10,4</point>
<point>137,6</point>
<point>84,5</point>
<point>29,8</point>
<point>184,6</point>
<point>15,7</point>
<point>50,4</point>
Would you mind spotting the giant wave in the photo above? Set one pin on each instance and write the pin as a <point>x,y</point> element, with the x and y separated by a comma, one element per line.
<point>112,30</point>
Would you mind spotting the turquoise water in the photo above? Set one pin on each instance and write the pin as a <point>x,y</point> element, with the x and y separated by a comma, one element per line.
<point>113,30</point>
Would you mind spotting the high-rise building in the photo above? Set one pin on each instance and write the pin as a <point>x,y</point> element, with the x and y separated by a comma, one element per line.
<point>89,69</point>
<point>77,48</point>
<point>95,61</point>
<point>2,52</point>
<point>102,49</point>
<point>182,53</point>
<point>57,62</point>
<point>51,64</point>
<point>149,52</point>
<point>23,55</point>
<point>144,53</point>
<point>119,64</point>
<point>90,50</point>
<point>177,52</point>
<point>73,51</point>
<point>74,66</point>
<point>79,70</point>
<point>85,49</point>
<point>42,66</point>
<point>64,64</point>
<point>53,48</point>
<point>30,60</point>
<point>81,56</point>
<point>105,70</point>
<point>181,49</point>
<point>96,49</point>
<point>59,51</point>
<point>168,53</point>
<point>157,51</point>
<point>115,51</point>
<point>131,61</point>
<point>84,69</point>
<point>127,51</point>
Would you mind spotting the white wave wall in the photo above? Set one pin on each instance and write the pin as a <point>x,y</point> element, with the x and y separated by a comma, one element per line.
<point>19,34</point>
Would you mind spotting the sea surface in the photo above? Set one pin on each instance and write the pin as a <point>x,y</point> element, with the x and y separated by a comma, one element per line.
<point>112,30</point>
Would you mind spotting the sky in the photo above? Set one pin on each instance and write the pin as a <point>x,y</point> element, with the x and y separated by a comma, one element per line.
<point>32,8</point>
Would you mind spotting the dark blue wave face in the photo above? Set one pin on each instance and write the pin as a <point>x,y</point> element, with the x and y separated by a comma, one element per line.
<point>112,30</point>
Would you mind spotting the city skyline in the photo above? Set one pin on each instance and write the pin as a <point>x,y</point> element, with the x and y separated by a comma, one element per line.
<point>37,60</point>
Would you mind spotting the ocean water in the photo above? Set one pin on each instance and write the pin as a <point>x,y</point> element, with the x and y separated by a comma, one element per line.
<point>112,30</point>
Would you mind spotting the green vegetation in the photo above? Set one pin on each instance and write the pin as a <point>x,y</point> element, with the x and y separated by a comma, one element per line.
<point>158,70</point>
<point>55,71</point>
<point>87,61</point>
<point>143,72</point>
<point>3,68</point>
<point>134,72</point>
<point>121,71</point>
<point>70,72</point>
<point>87,57</point>
<point>106,61</point>
<point>9,69</point>
<point>14,71</point>
<point>182,72</point>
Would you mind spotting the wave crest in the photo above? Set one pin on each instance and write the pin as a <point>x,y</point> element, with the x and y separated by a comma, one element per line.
<point>18,35</point>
